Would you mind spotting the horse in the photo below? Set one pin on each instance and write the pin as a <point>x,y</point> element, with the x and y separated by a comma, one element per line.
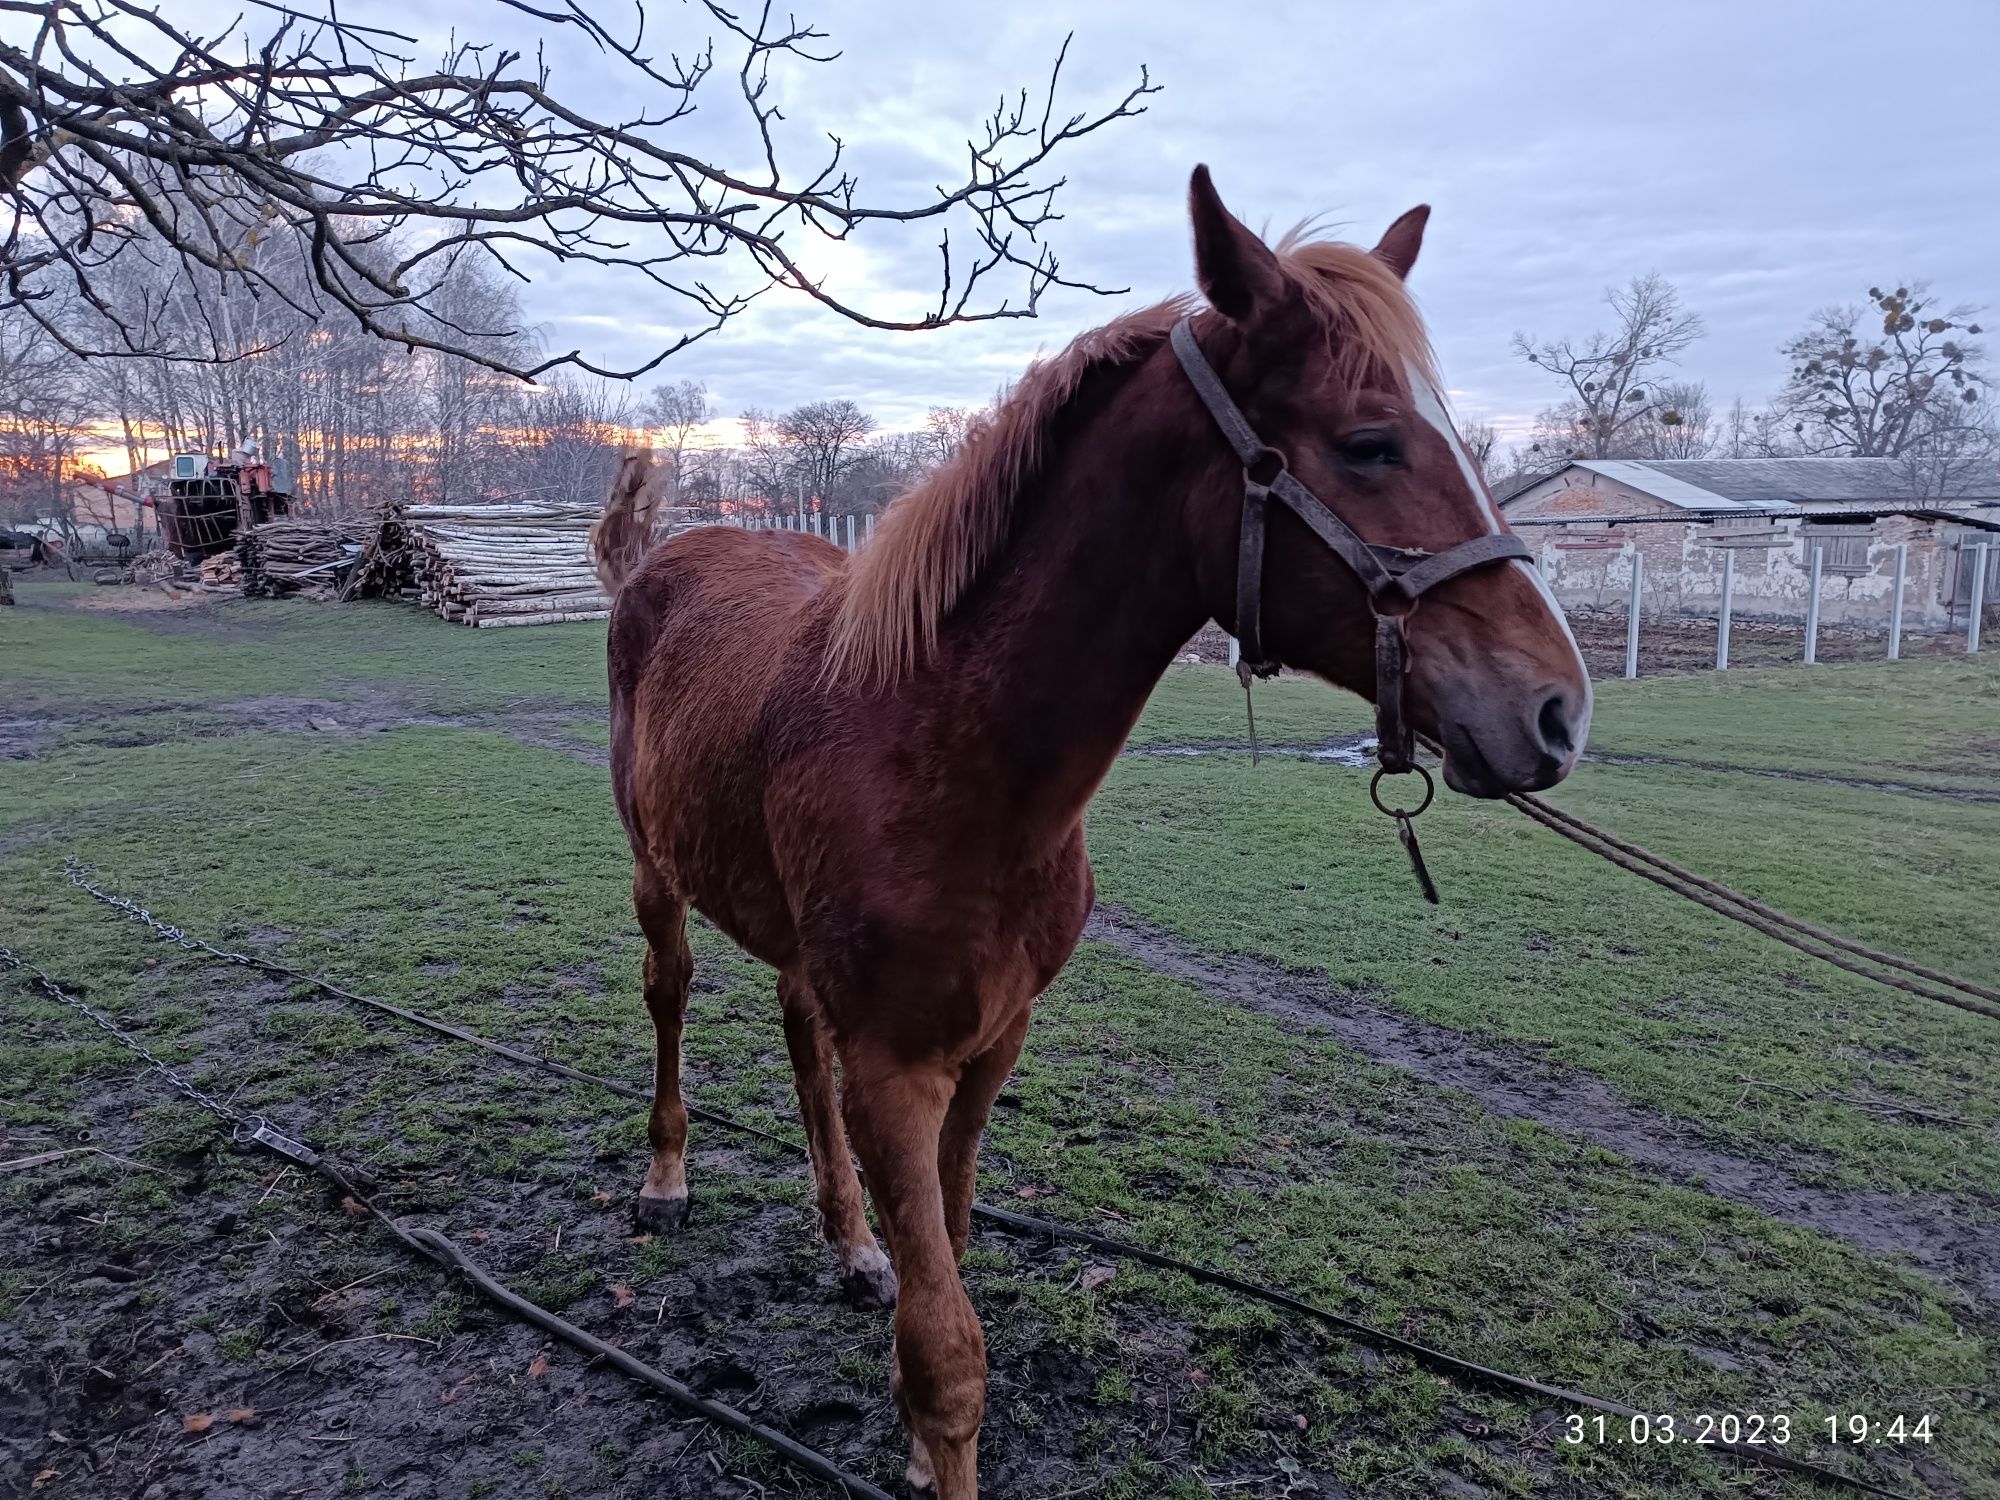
<point>871,772</point>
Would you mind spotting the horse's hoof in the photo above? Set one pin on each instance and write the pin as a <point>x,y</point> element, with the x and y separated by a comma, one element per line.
<point>871,1284</point>
<point>659,1215</point>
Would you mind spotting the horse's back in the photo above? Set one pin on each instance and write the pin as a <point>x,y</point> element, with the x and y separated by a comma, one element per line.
<point>699,636</point>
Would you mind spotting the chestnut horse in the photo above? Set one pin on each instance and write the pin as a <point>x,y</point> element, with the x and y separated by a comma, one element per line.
<point>871,773</point>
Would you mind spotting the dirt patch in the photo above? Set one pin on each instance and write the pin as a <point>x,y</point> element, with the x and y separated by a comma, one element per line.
<point>127,599</point>
<point>1357,750</point>
<point>1952,1244</point>
<point>371,708</point>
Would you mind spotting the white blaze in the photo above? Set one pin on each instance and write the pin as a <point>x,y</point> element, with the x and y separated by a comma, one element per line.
<point>1431,409</point>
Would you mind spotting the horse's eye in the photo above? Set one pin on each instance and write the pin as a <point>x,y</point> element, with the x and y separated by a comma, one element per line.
<point>1370,447</point>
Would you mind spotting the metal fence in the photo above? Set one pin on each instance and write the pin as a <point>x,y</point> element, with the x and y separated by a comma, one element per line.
<point>1667,624</point>
<point>848,531</point>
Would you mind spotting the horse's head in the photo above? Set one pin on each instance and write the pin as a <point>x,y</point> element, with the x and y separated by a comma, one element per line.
<point>1324,353</point>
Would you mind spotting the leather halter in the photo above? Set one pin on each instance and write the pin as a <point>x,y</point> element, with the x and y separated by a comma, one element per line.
<point>1395,577</point>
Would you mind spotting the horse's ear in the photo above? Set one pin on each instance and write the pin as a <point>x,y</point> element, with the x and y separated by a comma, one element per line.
<point>1237,271</point>
<point>1403,239</point>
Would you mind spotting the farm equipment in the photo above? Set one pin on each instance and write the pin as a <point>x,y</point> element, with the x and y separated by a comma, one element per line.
<point>209,500</point>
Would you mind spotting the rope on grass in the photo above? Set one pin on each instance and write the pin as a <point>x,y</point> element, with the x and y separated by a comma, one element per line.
<point>1005,1219</point>
<point>1815,942</point>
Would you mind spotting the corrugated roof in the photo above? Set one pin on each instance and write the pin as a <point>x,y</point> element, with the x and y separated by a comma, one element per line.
<point>1653,478</point>
<point>1759,483</point>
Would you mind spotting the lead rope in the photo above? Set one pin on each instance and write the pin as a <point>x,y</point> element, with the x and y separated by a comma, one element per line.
<point>1405,830</point>
<point>1243,675</point>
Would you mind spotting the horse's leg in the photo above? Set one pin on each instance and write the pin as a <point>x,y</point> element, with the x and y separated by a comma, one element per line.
<point>662,1203</point>
<point>965,1122</point>
<point>896,1113</point>
<point>864,1270</point>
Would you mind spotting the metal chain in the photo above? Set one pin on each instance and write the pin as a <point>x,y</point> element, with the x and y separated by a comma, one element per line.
<point>79,876</point>
<point>243,1128</point>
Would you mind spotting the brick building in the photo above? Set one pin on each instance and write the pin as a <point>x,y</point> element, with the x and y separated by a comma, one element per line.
<point>1587,520</point>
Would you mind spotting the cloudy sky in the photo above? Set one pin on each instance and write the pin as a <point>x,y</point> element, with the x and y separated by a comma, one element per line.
<point>1767,156</point>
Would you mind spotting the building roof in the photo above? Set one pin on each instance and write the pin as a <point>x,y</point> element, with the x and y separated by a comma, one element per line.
<point>1724,484</point>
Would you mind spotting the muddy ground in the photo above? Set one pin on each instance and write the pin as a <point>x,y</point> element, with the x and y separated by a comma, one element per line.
<point>166,1293</point>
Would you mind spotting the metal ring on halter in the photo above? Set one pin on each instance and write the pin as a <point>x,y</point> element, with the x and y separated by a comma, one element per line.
<point>1375,793</point>
<point>1274,458</point>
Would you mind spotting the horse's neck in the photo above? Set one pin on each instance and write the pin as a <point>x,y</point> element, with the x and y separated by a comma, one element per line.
<point>1076,620</point>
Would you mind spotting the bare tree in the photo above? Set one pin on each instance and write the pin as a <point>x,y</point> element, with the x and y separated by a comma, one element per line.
<point>765,463</point>
<point>313,138</point>
<point>1953,459</point>
<point>1919,383</point>
<point>825,439</point>
<point>43,415</point>
<point>1754,434</point>
<point>571,434</point>
<point>947,428</point>
<point>1679,424</point>
<point>1482,442</point>
<point>676,413</point>
<point>1611,376</point>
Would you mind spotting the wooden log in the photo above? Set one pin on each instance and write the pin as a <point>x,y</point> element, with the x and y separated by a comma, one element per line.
<point>540,604</point>
<point>553,618</point>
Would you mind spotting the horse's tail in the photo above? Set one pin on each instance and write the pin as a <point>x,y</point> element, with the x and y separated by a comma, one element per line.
<point>625,533</point>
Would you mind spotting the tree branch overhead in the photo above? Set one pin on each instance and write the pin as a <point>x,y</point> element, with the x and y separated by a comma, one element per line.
<point>311,142</point>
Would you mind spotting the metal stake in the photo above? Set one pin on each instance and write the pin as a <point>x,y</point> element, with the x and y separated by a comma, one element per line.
<point>1722,621</point>
<point>1632,612</point>
<point>1979,555</point>
<point>1812,607</point>
<point>1896,601</point>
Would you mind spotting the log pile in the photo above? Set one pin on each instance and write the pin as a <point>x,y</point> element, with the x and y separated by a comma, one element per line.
<point>220,571</point>
<point>285,557</point>
<point>520,564</point>
<point>385,567</point>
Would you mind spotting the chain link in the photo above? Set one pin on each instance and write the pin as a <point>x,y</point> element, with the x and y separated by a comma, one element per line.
<point>79,876</point>
<point>242,1127</point>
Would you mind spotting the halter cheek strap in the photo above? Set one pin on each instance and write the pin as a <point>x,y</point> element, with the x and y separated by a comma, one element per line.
<point>1395,578</point>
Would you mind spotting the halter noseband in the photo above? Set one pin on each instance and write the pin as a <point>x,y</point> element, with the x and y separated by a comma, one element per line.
<point>1395,577</point>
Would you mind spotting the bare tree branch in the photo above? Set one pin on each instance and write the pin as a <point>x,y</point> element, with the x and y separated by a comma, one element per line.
<point>125,133</point>
<point>1611,376</point>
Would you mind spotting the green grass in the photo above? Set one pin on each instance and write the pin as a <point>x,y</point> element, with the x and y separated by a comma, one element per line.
<point>487,881</point>
<point>67,660</point>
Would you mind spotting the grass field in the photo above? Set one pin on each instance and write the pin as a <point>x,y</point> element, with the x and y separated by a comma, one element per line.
<point>1563,1124</point>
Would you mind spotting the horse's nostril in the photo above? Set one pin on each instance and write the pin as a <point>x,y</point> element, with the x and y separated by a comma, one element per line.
<point>1555,727</point>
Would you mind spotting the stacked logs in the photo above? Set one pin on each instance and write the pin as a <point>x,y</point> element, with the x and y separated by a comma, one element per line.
<point>520,564</point>
<point>287,556</point>
<point>384,567</point>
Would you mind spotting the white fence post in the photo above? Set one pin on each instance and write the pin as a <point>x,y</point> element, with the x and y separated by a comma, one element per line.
<point>1235,651</point>
<point>1812,607</point>
<point>1896,601</point>
<point>850,531</point>
<point>1632,612</point>
<point>1722,619</point>
<point>1979,556</point>
<point>868,527</point>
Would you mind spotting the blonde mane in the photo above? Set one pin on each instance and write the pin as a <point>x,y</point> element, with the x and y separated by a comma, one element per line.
<point>935,539</point>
